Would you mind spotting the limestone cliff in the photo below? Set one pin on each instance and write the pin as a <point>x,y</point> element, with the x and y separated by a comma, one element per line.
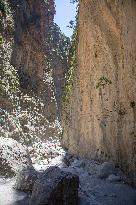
<point>58,53</point>
<point>33,20</point>
<point>39,51</point>
<point>100,118</point>
<point>33,63</point>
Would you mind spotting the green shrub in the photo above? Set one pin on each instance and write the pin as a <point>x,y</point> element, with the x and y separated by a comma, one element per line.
<point>102,82</point>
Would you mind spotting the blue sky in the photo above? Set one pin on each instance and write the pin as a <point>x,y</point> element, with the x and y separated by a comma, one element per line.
<point>65,12</point>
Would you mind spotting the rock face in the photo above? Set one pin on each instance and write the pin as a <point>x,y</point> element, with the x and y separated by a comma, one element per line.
<point>12,156</point>
<point>58,55</point>
<point>55,187</point>
<point>38,52</point>
<point>101,119</point>
<point>34,67</point>
<point>106,169</point>
<point>33,21</point>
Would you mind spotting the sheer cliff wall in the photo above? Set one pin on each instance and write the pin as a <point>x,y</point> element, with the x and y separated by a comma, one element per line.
<point>33,63</point>
<point>100,118</point>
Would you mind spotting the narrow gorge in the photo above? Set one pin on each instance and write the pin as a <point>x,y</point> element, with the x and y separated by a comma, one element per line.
<point>68,105</point>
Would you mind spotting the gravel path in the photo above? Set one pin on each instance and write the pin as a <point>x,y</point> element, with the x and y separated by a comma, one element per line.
<point>93,189</point>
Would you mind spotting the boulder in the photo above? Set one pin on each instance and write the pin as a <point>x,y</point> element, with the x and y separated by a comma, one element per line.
<point>25,179</point>
<point>69,159</point>
<point>105,169</point>
<point>55,187</point>
<point>78,164</point>
<point>90,166</point>
<point>114,178</point>
<point>13,155</point>
<point>57,161</point>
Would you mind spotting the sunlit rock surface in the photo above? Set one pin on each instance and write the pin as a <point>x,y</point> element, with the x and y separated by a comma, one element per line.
<point>100,118</point>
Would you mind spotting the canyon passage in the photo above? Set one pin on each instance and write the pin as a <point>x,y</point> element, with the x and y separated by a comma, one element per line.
<point>68,104</point>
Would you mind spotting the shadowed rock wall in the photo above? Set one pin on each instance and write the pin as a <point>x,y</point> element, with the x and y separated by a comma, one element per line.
<point>36,48</point>
<point>33,21</point>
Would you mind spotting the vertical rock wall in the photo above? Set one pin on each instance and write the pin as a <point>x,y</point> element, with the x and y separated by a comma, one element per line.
<point>37,51</point>
<point>33,21</point>
<point>100,118</point>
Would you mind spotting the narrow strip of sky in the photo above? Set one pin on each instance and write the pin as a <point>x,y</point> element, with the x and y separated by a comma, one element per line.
<point>65,12</point>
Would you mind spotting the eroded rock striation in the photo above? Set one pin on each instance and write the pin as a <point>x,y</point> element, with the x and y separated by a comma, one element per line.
<point>100,118</point>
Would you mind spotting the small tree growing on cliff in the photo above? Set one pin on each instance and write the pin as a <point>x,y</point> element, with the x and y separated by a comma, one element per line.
<point>73,1</point>
<point>102,82</point>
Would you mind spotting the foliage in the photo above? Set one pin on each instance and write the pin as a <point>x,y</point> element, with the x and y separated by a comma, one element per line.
<point>2,7</point>
<point>70,76</point>
<point>1,39</point>
<point>2,12</point>
<point>6,22</point>
<point>57,44</point>
<point>21,115</point>
<point>102,82</point>
<point>71,24</point>
<point>74,1</point>
<point>23,118</point>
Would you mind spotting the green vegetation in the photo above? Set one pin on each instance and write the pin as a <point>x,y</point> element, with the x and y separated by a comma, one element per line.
<point>71,24</point>
<point>22,114</point>
<point>102,82</point>
<point>1,39</point>
<point>72,61</point>
<point>19,113</point>
<point>59,43</point>
<point>5,18</point>
<point>74,1</point>
<point>2,7</point>
<point>73,65</point>
<point>2,12</point>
